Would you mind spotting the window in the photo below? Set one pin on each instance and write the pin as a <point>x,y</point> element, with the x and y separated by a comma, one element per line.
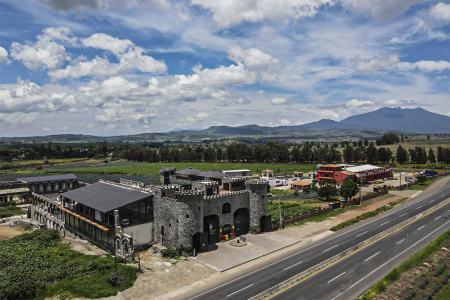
<point>187,216</point>
<point>226,208</point>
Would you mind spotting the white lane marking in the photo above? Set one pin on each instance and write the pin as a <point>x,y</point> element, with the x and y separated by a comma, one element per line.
<point>418,207</point>
<point>372,256</point>
<point>432,200</point>
<point>400,241</point>
<point>361,233</point>
<point>384,223</point>
<point>330,248</point>
<point>437,218</point>
<point>421,227</point>
<point>403,214</point>
<point>391,259</point>
<point>240,290</point>
<point>336,277</point>
<point>293,265</point>
<point>325,241</point>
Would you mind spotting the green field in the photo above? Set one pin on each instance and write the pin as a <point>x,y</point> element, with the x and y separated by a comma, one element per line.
<point>38,265</point>
<point>153,168</point>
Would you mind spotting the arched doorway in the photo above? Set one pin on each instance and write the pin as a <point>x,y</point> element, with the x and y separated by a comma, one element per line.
<point>241,221</point>
<point>196,242</point>
<point>211,228</point>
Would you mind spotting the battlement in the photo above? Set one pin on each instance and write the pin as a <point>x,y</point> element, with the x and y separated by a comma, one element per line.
<point>167,187</point>
<point>144,190</point>
<point>189,193</point>
<point>206,182</point>
<point>169,199</point>
<point>233,179</point>
<point>226,195</point>
<point>265,182</point>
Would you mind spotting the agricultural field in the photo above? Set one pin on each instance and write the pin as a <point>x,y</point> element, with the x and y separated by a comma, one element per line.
<point>287,209</point>
<point>37,265</point>
<point>9,209</point>
<point>134,168</point>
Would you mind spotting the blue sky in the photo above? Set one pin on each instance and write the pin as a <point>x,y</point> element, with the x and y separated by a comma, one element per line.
<point>107,67</point>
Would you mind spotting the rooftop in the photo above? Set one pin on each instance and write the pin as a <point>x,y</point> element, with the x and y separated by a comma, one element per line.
<point>104,196</point>
<point>189,171</point>
<point>301,182</point>
<point>49,178</point>
<point>362,168</point>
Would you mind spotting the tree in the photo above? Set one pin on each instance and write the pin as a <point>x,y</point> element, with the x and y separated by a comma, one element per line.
<point>440,155</point>
<point>348,153</point>
<point>327,191</point>
<point>402,155</point>
<point>428,137</point>
<point>421,179</point>
<point>366,142</point>
<point>371,154</point>
<point>349,189</point>
<point>384,155</point>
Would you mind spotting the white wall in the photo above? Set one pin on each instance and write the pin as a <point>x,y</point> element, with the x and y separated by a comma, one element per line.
<point>142,234</point>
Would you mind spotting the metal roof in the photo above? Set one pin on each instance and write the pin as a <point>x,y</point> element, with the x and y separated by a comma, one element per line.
<point>104,196</point>
<point>212,174</point>
<point>49,178</point>
<point>363,168</point>
<point>235,171</point>
<point>189,171</point>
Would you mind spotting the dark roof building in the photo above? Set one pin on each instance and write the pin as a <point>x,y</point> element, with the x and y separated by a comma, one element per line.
<point>49,178</point>
<point>105,197</point>
<point>188,171</point>
<point>212,174</point>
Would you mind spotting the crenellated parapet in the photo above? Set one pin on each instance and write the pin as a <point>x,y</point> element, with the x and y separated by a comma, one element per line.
<point>144,190</point>
<point>226,195</point>
<point>233,179</point>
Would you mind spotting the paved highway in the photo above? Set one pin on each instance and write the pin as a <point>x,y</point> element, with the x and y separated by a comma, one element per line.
<point>331,282</point>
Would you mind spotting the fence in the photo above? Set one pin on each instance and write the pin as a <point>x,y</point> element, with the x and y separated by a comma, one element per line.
<point>330,207</point>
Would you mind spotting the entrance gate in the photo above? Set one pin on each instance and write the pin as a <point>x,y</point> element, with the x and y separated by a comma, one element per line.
<point>241,221</point>
<point>211,228</point>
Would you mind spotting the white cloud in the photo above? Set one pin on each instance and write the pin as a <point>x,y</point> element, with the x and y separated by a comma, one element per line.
<point>45,52</point>
<point>251,57</point>
<point>45,129</point>
<point>299,123</point>
<point>64,128</point>
<point>320,112</point>
<point>285,122</point>
<point>276,101</point>
<point>230,12</point>
<point>441,12</point>
<point>3,54</point>
<point>374,64</point>
<point>130,58</point>
<point>383,10</point>
<point>221,76</point>
<point>107,42</point>
<point>260,92</point>
<point>110,127</point>
<point>424,65</point>
<point>357,103</point>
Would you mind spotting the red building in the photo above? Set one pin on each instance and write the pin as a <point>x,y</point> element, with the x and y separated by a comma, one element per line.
<point>330,172</point>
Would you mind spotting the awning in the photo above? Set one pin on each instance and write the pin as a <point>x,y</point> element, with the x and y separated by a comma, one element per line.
<point>14,191</point>
<point>84,219</point>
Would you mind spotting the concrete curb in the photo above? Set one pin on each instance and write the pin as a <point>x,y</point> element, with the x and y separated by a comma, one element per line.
<point>311,271</point>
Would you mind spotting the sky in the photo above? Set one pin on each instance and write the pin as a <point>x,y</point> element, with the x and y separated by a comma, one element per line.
<point>115,67</point>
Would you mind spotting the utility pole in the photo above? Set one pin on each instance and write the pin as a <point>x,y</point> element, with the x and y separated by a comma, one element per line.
<point>279,208</point>
<point>360,189</point>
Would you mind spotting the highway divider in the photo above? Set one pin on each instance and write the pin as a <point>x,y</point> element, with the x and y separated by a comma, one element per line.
<point>333,260</point>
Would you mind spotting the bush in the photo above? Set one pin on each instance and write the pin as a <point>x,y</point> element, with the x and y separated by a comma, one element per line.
<point>117,278</point>
<point>411,295</point>
<point>39,168</point>
<point>186,249</point>
<point>424,283</point>
<point>170,253</point>
<point>46,162</point>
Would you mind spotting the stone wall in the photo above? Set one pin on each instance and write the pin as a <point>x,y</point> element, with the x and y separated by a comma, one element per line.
<point>258,201</point>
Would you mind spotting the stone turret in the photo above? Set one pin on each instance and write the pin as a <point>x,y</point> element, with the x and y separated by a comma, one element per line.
<point>258,201</point>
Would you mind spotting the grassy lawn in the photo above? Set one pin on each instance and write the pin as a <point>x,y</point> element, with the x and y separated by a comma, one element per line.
<point>325,216</point>
<point>444,294</point>
<point>153,168</point>
<point>37,265</point>
<point>9,209</point>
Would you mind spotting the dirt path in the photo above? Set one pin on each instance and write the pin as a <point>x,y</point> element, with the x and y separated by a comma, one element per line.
<point>7,232</point>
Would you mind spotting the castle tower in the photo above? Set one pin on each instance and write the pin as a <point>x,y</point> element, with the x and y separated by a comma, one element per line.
<point>165,175</point>
<point>258,204</point>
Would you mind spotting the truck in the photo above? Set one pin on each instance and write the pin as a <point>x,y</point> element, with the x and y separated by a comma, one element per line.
<point>428,173</point>
<point>278,182</point>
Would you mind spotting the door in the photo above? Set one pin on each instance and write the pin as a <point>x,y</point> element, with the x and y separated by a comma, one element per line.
<point>211,228</point>
<point>241,221</point>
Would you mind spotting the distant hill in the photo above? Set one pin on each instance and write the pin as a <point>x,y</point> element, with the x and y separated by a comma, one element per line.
<point>397,119</point>
<point>417,120</point>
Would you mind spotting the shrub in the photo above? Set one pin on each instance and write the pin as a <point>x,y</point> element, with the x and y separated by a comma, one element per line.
<point>39,168</point>
<point>411,295</point>
<point>440,270</point>
<point>116,278</point>
<point>186,249</point>
<point>46,162</point>
<point>170,253</point>
<point>424,283</point>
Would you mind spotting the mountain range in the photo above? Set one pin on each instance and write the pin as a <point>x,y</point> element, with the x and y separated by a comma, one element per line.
<point>417,120</point>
